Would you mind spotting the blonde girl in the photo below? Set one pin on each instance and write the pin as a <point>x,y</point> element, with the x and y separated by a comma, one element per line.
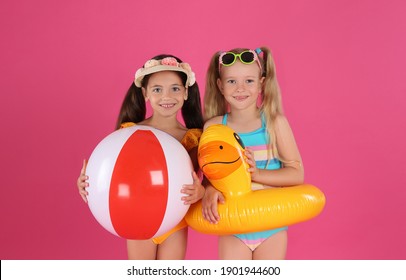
<point>242,92</point>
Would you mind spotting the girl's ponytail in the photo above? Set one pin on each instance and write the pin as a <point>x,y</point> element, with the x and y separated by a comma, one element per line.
<point>133,108</point>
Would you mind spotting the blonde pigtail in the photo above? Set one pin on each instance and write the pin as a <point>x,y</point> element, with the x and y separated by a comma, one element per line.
<point>214,102</point>
<point>271,105</point>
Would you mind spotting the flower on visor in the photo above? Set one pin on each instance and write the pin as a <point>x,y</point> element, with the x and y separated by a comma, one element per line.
<point>151,63</point>
<point>190,73</point>
<point>169,61</point>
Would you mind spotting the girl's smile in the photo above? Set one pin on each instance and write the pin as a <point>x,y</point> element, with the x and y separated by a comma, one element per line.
<point>241,97</point>
<point>168,105</point>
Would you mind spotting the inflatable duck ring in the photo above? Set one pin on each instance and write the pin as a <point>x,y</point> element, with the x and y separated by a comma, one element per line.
<point>221,158</point>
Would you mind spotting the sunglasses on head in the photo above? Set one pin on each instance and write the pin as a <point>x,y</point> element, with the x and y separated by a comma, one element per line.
<point>246,57</point>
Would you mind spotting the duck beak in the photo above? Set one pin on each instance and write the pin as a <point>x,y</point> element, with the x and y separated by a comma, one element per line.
<point>218,159</point>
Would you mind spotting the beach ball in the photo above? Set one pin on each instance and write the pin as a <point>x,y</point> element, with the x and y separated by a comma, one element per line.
<point>135,180</point>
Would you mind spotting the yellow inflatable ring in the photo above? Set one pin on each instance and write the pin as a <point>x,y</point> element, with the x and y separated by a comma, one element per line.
<point>221,158</point>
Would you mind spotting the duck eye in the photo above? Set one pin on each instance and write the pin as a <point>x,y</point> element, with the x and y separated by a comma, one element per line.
<point>221,147</point>
<point>239,140</point>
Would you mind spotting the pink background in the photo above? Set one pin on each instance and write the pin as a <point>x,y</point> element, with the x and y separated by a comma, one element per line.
<point>65,67</point>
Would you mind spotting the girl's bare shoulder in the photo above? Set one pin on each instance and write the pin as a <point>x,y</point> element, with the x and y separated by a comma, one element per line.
<point>214,120</point>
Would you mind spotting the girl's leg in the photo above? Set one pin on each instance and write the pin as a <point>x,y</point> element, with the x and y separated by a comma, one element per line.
<point>232,248</point>
<point>141,250</point>
<point>273,248</point>
<point>174,247</point>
